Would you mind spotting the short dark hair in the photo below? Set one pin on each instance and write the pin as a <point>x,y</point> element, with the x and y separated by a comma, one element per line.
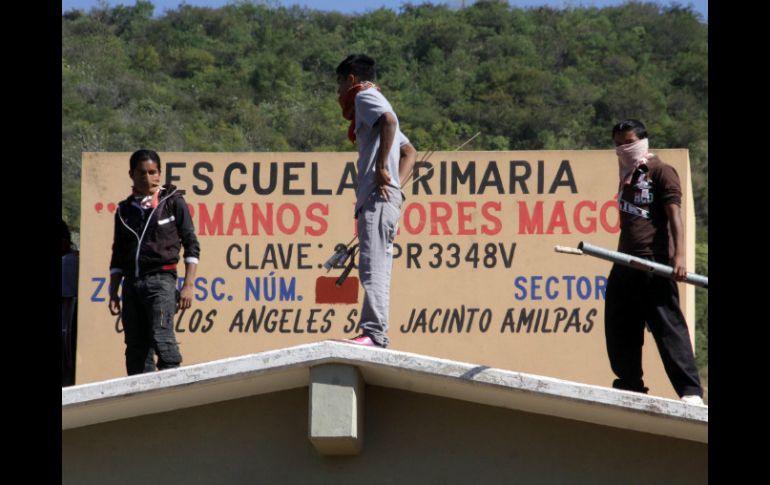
<point>359,65</point>
<point>140,156</point>
<point>628,125</point>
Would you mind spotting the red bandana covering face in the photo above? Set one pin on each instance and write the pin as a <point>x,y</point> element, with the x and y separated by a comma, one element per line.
<point>348,104</point>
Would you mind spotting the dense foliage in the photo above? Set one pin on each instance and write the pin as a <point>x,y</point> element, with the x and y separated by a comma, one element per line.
<point>255,77</point>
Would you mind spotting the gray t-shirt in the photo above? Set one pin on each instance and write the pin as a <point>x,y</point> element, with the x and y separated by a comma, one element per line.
<point>370,105</point>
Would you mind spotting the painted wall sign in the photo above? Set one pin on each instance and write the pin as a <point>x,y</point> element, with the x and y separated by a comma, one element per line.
<point>475,276</point>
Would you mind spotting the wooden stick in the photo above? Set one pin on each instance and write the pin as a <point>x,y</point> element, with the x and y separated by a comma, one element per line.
<point>567,250</point>
<point>431,168</point>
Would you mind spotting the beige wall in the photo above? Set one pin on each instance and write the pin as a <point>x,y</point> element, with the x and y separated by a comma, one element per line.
<point>561,293</point>
<point>408,438</point>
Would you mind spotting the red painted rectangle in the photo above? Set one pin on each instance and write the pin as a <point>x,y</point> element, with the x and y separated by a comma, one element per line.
<point>327,292</point>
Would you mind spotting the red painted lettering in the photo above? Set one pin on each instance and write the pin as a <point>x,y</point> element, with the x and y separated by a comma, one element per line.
<point>591,227</point>
<point>323,210</point>
<point>437,219</point>
<point>497,225</point>
<point>260,219</point>
<point>558,219</point>
<point>237,221</point>
<point>531,224</point>
<point>291,229</point>
<point>463,217</point>
<point>210,225</point>
<point>411,208</point>
<point>610,206</point>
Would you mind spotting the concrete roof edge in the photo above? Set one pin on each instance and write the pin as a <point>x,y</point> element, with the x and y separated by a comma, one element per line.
<point>426,374</point>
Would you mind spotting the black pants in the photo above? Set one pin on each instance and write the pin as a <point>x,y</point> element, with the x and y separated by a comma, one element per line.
<point>149,304</point>
<point>634,297</point>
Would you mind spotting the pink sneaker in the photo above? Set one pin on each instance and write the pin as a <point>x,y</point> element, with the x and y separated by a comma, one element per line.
<point>363,340</point>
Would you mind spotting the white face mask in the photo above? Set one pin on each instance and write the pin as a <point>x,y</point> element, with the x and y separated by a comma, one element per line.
<point>630,156</point>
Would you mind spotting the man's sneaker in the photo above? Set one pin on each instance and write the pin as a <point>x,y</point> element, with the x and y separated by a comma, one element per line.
<point>363,340</point>
<point>694,399</point>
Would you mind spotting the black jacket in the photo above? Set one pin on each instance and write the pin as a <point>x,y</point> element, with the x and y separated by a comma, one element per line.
<point>152,238</point>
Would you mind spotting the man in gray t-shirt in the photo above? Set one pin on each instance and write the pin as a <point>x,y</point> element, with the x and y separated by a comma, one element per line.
<point>374,127</point>
<point>376,124</point>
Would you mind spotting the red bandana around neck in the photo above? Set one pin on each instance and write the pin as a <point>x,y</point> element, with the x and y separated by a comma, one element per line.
<point>348,104</point>
<point>146,201</point>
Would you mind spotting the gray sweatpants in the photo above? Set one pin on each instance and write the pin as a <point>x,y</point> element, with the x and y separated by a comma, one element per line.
<point>377,225</point>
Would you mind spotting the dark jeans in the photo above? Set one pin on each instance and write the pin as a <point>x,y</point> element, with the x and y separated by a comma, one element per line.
<point>634,297</point>
<point>69,338</point>
<point>149,304</point>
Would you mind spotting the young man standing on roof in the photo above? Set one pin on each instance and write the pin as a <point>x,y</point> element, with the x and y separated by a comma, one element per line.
<point>375,128</point>
<point>150,226</point>
<point>650,227</point>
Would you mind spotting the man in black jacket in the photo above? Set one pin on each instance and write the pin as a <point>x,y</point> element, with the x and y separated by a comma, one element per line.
<point>150,226</point>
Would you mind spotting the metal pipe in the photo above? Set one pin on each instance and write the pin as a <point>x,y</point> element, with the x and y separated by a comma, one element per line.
<point>632,262</point>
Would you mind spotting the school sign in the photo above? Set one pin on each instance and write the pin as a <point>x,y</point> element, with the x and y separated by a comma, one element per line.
<point>475,275</point>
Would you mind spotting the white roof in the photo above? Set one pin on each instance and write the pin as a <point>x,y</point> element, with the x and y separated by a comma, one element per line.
<point>288,368</point>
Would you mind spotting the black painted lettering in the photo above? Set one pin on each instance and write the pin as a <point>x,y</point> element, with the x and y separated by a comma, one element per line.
<point>229,173</point>
<point>328,320</point>
<point>485,320</point>
<point>253,322</point>
<point>574,321</point>
<point>170,166</point>
<point>561,315</point>
<point>405,327</point>
<point>520,179</point>
<point>195,320</point>
<point>457,319</point>
<point>229,259</point>
<point>284,320</point>
<point>199,175</point>
<point>273,179</point>
<point>311,320</point>
<point>314,189</point>
<point>209,321</point>
<point>564,172</point>
<point>413,251</point>
<point>544,328</point>
<point>540,176</point>
<point>508,322</point>
<point>461,177</point>
<point>349,180</point>
<point>472,314</point>
<point>397,251</point>
<point>289,176</point>
<point>507,257</point>
<point>487,180</point>
<point>525,318</point>
<point>237,321</point>
<point>352,321</point>
<point>269,257</point>
<point>302,256</point>
<point>442,178</point>
<point>437,248</point>
<point>423,179</point>
<point>271,321</point>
